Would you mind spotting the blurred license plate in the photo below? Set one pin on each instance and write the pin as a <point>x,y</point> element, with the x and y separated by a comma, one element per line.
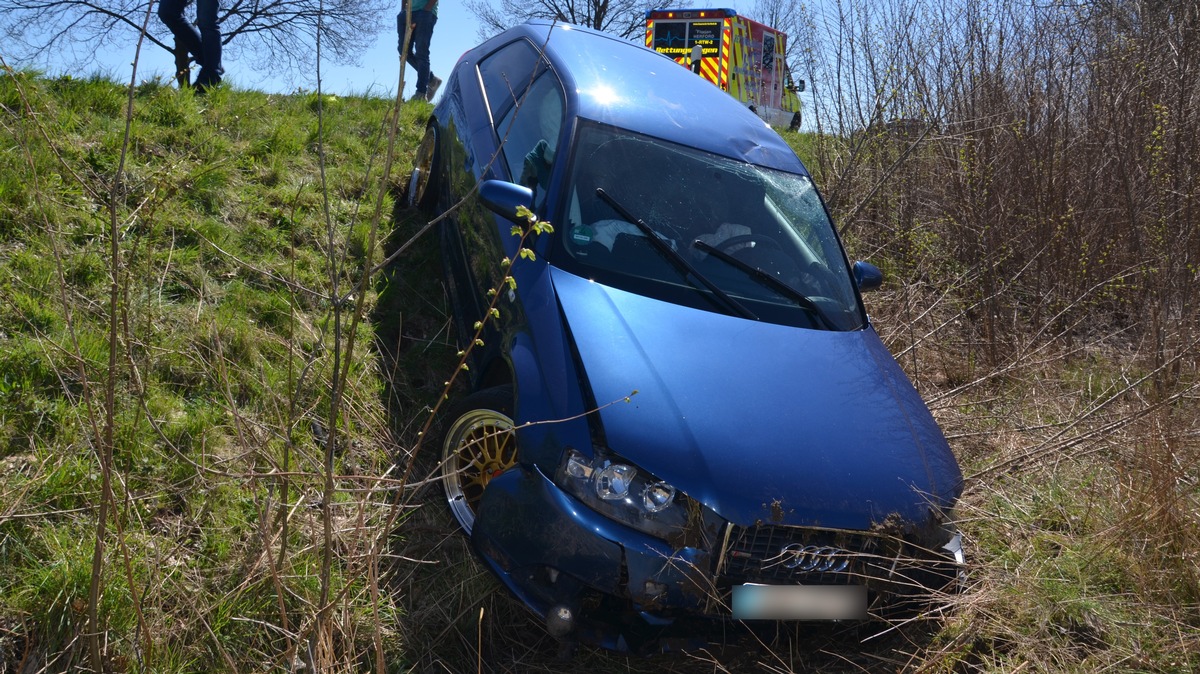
<point>799,602</point>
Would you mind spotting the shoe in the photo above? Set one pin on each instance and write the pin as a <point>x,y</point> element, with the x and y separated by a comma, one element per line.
<point>434,83</point>
<point>204,84</point>
<point>207,78</point>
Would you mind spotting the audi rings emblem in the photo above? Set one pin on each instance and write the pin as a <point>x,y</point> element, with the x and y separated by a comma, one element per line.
<point>821,559</point>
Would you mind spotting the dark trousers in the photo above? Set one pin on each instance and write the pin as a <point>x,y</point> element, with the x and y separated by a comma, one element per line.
<point>204,44</point>
<point>418,48</point>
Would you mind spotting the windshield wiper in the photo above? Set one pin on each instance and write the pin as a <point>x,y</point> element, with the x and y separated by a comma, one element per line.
<point>674,257</point>
<point>768,280</point>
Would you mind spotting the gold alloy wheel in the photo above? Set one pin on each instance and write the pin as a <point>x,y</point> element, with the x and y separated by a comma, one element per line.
<point>478,447</point>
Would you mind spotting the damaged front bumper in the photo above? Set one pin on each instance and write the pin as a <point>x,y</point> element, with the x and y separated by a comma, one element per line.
<point>552,551</point>
<point>593,579</point>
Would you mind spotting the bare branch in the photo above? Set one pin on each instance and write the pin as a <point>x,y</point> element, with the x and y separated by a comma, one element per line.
<point>277,34</point>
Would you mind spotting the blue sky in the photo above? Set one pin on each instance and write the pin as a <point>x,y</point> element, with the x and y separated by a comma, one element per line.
<point>377,71</point>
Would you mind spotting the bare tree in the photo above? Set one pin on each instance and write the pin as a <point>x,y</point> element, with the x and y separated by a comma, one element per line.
<point>278,34</point>
<point>626,18</point>
<point>1047,147</point>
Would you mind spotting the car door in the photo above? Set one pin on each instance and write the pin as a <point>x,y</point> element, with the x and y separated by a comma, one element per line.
<point>524,101</point>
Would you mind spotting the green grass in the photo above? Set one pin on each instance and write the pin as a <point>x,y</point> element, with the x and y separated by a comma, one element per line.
<point>225,345</point>
<point>1081,508</point>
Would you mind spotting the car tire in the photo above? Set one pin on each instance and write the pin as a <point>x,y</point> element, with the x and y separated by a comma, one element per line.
<point>478,444</point>
<point>421,188</point>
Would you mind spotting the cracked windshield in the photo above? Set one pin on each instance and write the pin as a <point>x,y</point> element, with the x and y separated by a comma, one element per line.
<point>727,236</point>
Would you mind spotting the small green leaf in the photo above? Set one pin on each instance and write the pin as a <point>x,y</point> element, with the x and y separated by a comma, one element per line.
<point>478,324</point>
<point>495,313</point>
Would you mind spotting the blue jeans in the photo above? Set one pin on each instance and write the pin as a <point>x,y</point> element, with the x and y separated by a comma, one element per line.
<point>204,44</point>
<point>418,48</point>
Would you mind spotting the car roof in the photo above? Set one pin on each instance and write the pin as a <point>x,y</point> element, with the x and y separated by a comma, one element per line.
<point>617,82</point>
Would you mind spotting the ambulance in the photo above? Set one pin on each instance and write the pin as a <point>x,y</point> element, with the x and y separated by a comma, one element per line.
<point>741,56</point>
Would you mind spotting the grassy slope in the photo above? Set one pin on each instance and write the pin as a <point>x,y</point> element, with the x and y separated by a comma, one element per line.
<point>232,242</point>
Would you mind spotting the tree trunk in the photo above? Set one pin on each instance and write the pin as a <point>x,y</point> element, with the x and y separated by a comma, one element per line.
<point>183,72</point>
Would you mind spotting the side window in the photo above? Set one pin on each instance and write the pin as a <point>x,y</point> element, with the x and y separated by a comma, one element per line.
<point>505,74</point>
<point>530,133</point>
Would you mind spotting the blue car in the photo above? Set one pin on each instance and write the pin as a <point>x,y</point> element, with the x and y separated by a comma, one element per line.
<point>680,412</point>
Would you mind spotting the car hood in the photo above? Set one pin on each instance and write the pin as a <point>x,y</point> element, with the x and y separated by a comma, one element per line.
<point>762,423</point>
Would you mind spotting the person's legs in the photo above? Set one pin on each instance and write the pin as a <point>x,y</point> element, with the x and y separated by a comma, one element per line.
<point>171,13</point>
<point>418,54</point>
<point>210,44</point>
<point>433,81</point>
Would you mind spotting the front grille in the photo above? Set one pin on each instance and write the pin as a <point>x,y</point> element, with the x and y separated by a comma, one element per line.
<point>778,555</point>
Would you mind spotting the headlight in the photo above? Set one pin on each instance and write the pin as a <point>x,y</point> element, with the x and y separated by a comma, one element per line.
<point>623,492</point>
<point>658,497</point>
<point>613,481</point>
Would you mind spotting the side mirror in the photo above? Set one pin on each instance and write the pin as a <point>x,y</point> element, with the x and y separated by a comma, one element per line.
<point>800,86</point>
<point>503,198</point>
<point>867,276</point>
